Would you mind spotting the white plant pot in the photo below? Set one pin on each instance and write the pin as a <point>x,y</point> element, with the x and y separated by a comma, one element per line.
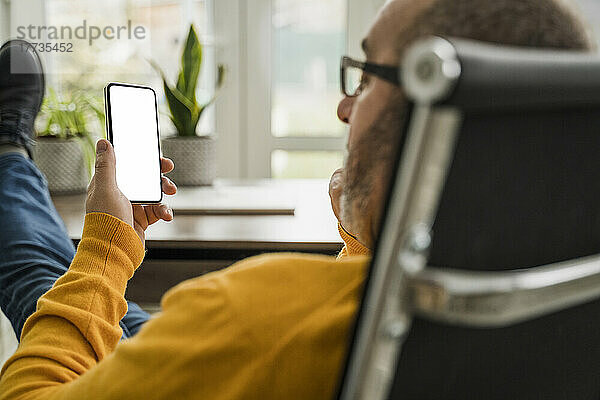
<point>194,157</point>
<point>63,163</point>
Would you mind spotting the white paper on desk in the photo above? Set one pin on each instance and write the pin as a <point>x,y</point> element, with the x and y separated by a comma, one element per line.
<point>232,200</point>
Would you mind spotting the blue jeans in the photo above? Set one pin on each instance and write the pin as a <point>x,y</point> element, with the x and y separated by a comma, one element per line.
<point>35,249</point>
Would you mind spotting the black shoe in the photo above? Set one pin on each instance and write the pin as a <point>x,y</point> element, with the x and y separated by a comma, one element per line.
<point>22,86</point>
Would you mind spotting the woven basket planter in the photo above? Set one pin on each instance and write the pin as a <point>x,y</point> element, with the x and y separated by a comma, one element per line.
<point>194,157</point>
<point>63,163</point>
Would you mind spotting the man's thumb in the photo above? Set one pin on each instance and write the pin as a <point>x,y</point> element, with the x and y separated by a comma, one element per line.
<point>105,162</point>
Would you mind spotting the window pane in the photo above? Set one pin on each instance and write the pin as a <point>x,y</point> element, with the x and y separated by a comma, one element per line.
<point>92,64</point>
<point>309,37</point>
<point>590,10</point>
<point>305,164</point>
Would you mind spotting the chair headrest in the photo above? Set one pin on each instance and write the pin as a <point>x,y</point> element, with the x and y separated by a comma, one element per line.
<point>477,75</point>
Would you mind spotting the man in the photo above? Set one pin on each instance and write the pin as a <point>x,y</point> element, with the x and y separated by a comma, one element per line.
<point>269,327</point>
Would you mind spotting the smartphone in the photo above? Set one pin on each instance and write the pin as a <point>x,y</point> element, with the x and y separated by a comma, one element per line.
<point>132,128</point>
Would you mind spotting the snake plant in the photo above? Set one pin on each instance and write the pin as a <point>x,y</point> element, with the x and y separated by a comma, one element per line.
<point>185,109</point>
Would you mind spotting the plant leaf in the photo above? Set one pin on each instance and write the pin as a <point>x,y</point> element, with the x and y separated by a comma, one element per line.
<point>71,112</point>
<point>191,60</point>
<point>180,107</point>
<point>181,99</point>
<point>181,113</point>
<point>178,125</point>
<point>221,72</point>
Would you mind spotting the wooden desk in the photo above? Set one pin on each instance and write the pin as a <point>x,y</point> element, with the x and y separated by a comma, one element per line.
<point>195,244</point>
<point>312,228</point>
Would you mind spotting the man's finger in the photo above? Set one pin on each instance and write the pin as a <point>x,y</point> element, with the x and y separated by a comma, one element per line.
<point>140,217</point>
<point>168,187</point>
<point>105,171</point>
<point>166,165</point>
<point>150,215</point>
<point>158,212</point>
<point>164,212</point>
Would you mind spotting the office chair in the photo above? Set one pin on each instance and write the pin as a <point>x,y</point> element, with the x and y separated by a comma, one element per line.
<point>485,283</point>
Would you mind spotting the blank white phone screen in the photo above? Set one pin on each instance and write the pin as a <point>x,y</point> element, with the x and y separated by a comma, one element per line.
<point>133,117</point>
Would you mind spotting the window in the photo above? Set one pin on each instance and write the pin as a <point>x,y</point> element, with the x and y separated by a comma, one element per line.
<point>308,38</point>
<point>291,127</point>
<point>590,10</point>
<point>276,117</point>
<point>287,164</point>
<point>120,53</point>
<point>276,114</point>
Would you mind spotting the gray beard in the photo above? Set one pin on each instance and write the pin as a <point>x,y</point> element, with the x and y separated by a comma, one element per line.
<point>370,163</point>
<point>356,194</point>
<point>347,215</point>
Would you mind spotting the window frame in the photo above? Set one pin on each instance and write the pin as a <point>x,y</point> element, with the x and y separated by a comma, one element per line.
<point>244,109</point>
<point>13,12</point>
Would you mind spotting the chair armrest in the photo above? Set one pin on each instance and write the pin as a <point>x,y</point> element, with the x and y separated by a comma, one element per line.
<point>500,298</point>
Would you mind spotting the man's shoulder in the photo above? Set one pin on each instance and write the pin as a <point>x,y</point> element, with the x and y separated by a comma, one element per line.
<point>275,298</point>
<point>279,286</point>
<point>288,273</point>
<point>295,262</point>
<point>275,293</point>
<point>280,270</point>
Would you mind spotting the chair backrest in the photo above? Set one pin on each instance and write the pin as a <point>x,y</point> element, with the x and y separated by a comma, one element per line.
<point>521,190</point>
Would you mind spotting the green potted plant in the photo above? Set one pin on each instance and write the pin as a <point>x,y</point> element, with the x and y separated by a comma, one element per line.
<point>194,156</point>
<point>64,149</point>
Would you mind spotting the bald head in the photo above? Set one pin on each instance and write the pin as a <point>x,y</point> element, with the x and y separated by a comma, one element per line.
<point>527,23</point>
<point>395,18</point>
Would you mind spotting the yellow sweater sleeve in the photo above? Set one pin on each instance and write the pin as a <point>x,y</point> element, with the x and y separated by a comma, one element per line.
<point>352,247</point>
<point>76,323</point>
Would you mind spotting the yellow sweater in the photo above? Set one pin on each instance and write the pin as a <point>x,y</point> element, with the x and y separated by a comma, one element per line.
<point>269,327</point>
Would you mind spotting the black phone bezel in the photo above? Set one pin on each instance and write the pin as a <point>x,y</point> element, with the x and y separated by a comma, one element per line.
<point>109,131</point>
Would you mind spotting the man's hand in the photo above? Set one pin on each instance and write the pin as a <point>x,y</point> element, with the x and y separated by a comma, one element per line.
<point>336,186</point>
<point>104,195</point>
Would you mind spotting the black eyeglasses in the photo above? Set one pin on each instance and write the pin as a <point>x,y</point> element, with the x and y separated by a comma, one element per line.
<point>352,75</point>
